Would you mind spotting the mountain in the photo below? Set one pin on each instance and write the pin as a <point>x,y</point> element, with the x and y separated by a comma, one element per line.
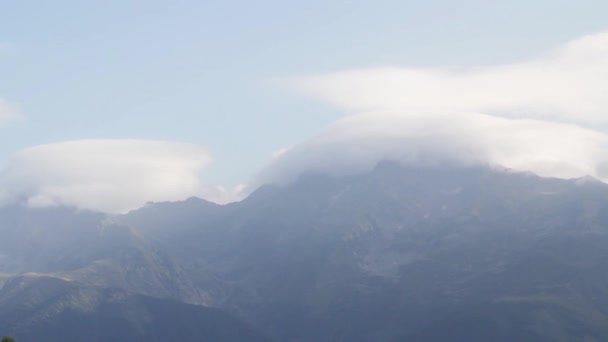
<point>36,307</point>
<point>89,247</point>
<point>398,253</point>
<point>401,251</point>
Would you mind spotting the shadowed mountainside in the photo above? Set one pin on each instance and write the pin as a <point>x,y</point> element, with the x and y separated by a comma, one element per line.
<point>398,253</point>
<point>42,308</point>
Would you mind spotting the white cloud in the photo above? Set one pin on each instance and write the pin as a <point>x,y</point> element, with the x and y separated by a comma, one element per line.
<point>106,175</point>
<point>221,195</point>
<point>541,116</point>
<point>276,154</point>
<point>356,143</point>
<point>568,84</point>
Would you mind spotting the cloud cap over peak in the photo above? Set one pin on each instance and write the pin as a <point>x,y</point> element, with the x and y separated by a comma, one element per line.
<point>358,142</point>
<point>105,175</point>
<point>543,115</point>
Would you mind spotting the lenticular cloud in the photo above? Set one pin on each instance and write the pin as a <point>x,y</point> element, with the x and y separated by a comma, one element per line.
<point>544,115</point>
<point>104,175</point>
<point>568,84</point>
<point>356,143</point>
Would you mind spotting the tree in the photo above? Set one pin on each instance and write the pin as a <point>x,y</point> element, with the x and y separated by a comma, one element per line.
<point>8,339</point>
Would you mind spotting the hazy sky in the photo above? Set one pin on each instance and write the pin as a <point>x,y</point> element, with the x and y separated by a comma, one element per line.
<point>217,73</point>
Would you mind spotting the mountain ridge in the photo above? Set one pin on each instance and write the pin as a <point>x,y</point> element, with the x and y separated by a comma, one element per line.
<point>400,252</point>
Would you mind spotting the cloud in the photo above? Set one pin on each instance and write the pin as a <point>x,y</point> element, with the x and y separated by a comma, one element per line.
<point>106,175</point>
<point>544,116</point>
<point>278,153</point>
<point>568,84</point>
<point>356,143</point>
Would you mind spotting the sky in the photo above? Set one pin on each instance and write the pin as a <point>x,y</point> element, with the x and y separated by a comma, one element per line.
<point>228,86</point>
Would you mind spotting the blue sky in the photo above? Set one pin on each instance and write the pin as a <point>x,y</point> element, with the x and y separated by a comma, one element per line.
<point>213,73</point>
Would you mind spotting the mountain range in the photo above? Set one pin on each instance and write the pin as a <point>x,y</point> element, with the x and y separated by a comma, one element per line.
<point>399,253</point>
